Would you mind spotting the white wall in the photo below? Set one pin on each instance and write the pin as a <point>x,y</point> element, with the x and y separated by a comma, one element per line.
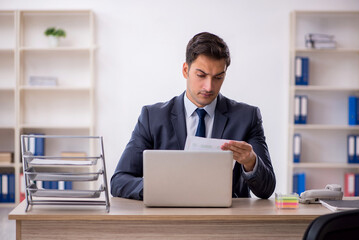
<point>142,48</point>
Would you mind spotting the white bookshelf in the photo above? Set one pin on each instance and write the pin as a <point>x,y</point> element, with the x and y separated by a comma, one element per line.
<point>8,87</point>
<point>333,76</point>
<point>64,109</point>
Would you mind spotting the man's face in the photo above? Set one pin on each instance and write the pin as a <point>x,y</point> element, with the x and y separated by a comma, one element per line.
<point>204,79</point>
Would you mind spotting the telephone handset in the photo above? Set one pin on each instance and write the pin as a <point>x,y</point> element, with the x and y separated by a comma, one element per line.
<point>331,192</point>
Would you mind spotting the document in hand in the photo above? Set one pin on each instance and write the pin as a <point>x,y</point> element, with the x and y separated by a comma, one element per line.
<point>340,205</point>
<point>194,143</point>
<point>203,144</point>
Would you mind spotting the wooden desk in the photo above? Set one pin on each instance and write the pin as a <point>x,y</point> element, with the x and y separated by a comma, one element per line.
<point>130,219</point>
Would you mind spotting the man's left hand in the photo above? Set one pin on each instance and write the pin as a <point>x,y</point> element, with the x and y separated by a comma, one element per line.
<point>242,153</point>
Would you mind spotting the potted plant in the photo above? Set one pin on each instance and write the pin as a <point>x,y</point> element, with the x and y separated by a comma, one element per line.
<point>53,35</point>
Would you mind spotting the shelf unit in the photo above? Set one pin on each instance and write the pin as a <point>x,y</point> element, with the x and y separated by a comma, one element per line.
<point>64,109</point>
<point>333,76</point>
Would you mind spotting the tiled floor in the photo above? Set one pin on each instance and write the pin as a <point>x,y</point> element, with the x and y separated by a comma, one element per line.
<point>7,227</point>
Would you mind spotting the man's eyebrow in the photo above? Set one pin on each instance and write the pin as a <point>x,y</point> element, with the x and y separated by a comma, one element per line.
<point>207,73</point>
<point>220,73</point>
<point>197,69</point>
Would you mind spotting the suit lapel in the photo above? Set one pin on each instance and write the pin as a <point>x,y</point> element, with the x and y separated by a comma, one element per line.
<point>179,121</point>
<point>220,118</point>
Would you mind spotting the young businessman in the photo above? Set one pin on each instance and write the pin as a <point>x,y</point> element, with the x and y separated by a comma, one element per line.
<point>202,111</point>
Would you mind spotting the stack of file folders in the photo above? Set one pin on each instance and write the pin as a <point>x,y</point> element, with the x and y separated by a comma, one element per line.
<point>320,41</point>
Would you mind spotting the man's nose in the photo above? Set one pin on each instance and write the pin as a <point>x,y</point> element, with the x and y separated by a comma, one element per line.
<point>208,84</point>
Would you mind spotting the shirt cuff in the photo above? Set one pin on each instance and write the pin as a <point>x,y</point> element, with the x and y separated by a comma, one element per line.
<point>251,173</point>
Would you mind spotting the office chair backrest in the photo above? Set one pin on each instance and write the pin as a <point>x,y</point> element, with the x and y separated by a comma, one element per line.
<point>338,225</point>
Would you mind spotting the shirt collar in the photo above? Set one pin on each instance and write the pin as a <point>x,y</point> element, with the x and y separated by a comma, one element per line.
<point>190,107</point>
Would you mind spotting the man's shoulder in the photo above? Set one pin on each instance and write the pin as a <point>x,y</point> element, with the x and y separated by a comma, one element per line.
<point>165,106</point>
<point>240,110</point>
<point>233,105</point>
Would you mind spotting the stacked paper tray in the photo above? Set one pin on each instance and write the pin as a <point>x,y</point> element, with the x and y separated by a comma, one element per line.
<point>35,192</point>
<point>38,175</point>
<point>288,201</point>
<point>64,162</point>
<point>88,170</point>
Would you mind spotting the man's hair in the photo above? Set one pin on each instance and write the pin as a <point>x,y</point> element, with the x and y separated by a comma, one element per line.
<point>207,44</point>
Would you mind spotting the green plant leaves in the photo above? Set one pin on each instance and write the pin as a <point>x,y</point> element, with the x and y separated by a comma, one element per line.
<point>52,31</point>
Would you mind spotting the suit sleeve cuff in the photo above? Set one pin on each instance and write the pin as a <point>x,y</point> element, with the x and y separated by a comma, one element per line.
<point>250,173</point>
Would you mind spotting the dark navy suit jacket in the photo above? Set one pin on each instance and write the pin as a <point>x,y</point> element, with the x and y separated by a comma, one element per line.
<point>163,126</point>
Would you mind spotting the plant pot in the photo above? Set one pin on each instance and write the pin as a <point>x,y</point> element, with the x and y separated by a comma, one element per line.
<point>53,41</point>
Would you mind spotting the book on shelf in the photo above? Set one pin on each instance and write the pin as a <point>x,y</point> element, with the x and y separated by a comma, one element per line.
<point>353,105</point>
<point>353,148</point>
<point>320,41</point>
<point>297,147</point>
<point>76,155</point>
<point>351,184</point>
<point>298,183</point>
<point>300,109</point>
<point>297,109</point>
<point>42,81</point>
<point>57,185</point>
<point>7,183</point>
<point>6,157</point>
<point>50,185</point>
<point>340,205</point>
<point>38,184</point>
<point>320,37</point>
<point>22,187</point>
<point>65,185</point>
<point>301,70</point>
<point>36,145</point>
<point>303,109</point>
<point>321,45</point>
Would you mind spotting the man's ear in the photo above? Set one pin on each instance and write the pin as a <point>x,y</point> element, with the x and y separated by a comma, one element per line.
<point>185,70</point>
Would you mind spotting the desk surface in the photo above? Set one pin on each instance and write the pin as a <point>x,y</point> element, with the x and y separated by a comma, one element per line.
<point>124,209</point>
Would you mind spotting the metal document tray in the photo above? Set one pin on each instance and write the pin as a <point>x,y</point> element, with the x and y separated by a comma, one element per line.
<point>71,168</point>
<point>60,162</point>
<point>35,192</point>
<point>34,175</point>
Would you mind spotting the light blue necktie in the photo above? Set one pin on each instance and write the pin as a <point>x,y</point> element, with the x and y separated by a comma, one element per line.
<point>201,128</point>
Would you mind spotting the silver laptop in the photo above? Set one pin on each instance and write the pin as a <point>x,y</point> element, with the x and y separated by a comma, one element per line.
<point>174,178</point>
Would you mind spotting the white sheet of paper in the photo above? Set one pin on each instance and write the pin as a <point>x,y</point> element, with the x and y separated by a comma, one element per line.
<point>203,144</point>
<point>37,161</point>
<point>194,143</point>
